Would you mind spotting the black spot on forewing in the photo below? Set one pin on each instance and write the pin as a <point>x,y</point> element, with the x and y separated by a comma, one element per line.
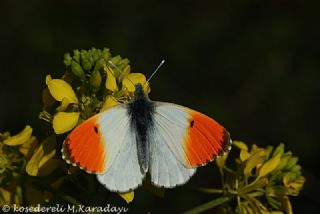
<point>192,123</point>
<point>95,129</point>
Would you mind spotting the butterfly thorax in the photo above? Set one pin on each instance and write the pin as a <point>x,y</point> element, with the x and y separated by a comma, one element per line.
<point>140,111</point>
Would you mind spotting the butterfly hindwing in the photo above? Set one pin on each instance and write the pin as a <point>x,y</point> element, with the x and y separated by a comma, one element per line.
<point>165,169</point>
<point>124,174</point>
<point>192,137</point>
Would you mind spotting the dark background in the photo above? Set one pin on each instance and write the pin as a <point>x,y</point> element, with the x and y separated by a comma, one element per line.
<point>254,67</point>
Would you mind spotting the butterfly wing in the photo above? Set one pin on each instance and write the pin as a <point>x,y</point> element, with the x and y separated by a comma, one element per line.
<point>165,169</point>
<point>192,137</point>
<point>124,174</point>
<point>105,145</point>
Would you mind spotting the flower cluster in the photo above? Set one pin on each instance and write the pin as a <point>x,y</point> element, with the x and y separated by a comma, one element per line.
<point>262,181</point>
<point>93,82</point>
<point>14,151</point>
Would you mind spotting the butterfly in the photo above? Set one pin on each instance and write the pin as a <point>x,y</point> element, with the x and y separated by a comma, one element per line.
<point>124,143</point>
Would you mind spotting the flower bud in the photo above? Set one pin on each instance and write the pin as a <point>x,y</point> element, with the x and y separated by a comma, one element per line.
<point>67,59</point>
<point>76,55</point>
<point>278,150</point>
<point>77,70</point>
<point>95,80</point>
<point>99,64</point>
<point>291,162</point>
<point>284,160</point>
<point>85,61</point>
<point>95,54</point>
<point>296,168</point>
<point>106,54</point>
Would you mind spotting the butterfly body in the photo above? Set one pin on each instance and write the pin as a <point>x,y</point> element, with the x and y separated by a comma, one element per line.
<point>140,111</point>
<point>124,143</point>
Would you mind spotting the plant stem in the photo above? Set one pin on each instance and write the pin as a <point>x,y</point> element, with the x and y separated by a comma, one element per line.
<point>209,190</point>
<point>209,205</point>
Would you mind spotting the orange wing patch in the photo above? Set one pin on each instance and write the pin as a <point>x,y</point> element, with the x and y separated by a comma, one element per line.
<point>204,140</point>
<point>86,148</point>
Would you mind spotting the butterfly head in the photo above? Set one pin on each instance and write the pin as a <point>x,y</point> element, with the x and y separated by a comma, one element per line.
<point>139,92</point>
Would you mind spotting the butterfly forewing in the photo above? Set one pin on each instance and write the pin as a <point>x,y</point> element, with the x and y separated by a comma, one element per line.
<point>194,138</point>
<point>95,143</point>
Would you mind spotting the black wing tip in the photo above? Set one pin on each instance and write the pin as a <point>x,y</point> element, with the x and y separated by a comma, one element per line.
<point>226,143</point>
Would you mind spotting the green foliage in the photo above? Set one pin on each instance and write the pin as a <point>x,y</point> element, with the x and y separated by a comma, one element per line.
<point>260,181</point>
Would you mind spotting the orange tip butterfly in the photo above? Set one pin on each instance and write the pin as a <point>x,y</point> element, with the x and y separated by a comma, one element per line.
<point>124,143</point>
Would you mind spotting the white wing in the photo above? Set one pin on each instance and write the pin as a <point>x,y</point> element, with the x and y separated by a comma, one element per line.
<point>165,169</point>
<point>124,174</point>
<point>182,139</point>
<point>105,145</point>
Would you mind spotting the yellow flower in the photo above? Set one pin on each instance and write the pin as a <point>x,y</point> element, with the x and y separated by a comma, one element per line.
<point>65,121</point>
<point>127,196</point>
<point>287,205</point>
<point>5,196</point>
<point>244,154</point>
<point>241,145</point>
<point>20,138</point>
<point>130,80</point>
<point>255,159</point>
<point>28,147</point>
<point>124,73</point>
<point>269,166</point>
<point>41,157</point>
<point>294,185</point>
<point>111,83</point>
<point>60,89</point>
<point>64,104</point>
<point>109,102</point>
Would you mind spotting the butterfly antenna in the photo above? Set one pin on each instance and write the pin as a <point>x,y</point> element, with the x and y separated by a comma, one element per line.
<point>118,69</point>
<point>155,71</point>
